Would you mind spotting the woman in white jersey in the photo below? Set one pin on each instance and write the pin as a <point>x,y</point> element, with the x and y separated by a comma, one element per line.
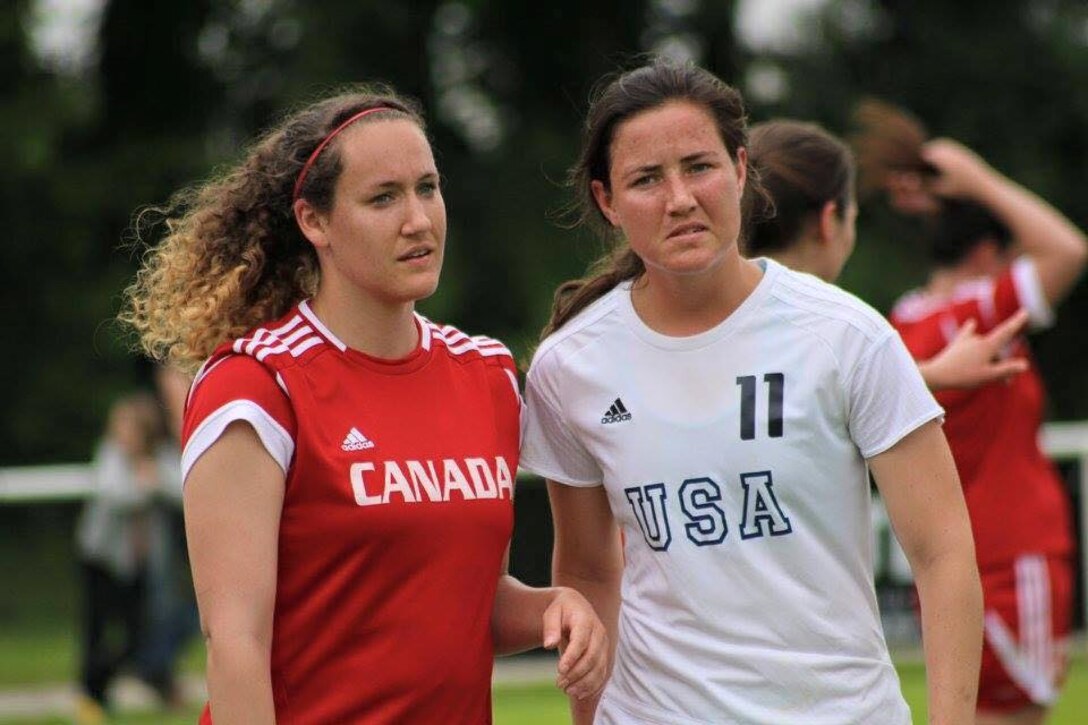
<point>723,413</point>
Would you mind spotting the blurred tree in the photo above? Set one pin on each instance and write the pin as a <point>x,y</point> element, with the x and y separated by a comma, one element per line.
<point>90,147</point>
<point>175,89</point>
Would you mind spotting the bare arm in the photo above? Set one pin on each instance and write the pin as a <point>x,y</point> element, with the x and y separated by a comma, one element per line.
<point>1057,247</point>
<point>233,499</point>
<point>970,359</point>
<point>918,482</point>
<point>552,617</point>
<point>588,556</point>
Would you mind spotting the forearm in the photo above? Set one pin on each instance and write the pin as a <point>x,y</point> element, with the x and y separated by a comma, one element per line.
<point>516,620</point>
<point>1040,231</point>
<point>951,604</point>
<point>1038,227</point>
<point>603,592</point>
<point>239,679</point>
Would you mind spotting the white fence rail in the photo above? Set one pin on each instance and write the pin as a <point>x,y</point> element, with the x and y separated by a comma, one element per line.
<point>1065,442</point>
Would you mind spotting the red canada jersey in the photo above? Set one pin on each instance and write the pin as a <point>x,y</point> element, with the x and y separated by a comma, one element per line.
<point>396,515</point>
<point>1014,494</point>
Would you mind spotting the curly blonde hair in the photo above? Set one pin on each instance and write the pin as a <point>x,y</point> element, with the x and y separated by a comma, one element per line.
<point>232,255</point>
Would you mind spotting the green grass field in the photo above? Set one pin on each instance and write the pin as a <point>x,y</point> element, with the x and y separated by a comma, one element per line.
<point>38,643</point>
<point>542,704</point>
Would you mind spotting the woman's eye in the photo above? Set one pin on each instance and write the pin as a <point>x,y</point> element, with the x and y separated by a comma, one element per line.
<point>428,188</point>
<point>382,199</point>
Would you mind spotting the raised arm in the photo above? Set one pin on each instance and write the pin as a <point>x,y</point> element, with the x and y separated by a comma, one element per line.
<point>921,490</point>
<point>233,499</point>
<point>588,556</point>
<point>1057,247</point>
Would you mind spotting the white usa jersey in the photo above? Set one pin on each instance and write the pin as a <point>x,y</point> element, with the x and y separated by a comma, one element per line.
<point>734,460</point>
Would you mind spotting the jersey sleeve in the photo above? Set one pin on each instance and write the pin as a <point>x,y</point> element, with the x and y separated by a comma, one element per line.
<point>549,447</point>
<point>991,301</point>
<point>230,389</point>
<point>1024,278</point>
<point>887,396</point>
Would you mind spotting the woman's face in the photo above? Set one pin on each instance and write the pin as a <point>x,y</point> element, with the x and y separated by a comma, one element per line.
<point>674,190</point>
<point>128,429</point>
<point>384,237</point>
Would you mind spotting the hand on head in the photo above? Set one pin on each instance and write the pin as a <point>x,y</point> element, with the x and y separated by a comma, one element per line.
<point>958,173</point>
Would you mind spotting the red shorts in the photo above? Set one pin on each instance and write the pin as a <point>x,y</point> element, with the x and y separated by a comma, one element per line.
<point>1029,609</point>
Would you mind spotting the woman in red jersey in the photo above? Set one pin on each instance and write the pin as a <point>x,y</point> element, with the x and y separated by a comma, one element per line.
<point>807,222</point>
<point>349,465</point>
<point>996,249</point>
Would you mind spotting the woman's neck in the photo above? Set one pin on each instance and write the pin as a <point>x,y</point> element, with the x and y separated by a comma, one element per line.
<point>800,257</point>
<point>386,331</point>
<point>679,305</point>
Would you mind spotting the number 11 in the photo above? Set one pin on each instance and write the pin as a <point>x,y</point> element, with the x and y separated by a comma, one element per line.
<point>776,383</point>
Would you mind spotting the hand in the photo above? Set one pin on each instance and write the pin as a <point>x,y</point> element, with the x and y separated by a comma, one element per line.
<point>971,360</point>
<point>960,171</point>
<point>571,625</point>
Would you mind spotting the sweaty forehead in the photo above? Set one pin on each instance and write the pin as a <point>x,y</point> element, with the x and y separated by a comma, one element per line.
<point>669,132</point>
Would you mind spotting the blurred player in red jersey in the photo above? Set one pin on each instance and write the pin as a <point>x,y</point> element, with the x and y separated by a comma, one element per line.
<point>996,249</point>
<point>807,222</point>
<point>349,465</point>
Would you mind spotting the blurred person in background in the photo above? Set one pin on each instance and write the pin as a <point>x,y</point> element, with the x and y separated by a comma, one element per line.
<point>133,465</point>
<point>348,464</point>
<point>171,614</point>
<point>995,249</point>
<point>725,412</point>
<point>807,220</point>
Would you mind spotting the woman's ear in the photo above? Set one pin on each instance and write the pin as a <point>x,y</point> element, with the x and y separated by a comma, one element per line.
<point>829,222</point>
<point>311,222</point>
<point>741,166</point>
<point>603,197</point>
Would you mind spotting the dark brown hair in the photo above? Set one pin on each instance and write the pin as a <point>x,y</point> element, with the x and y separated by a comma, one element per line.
<point>887,139</point>
<point>802,167</point>
<point>617,98</point>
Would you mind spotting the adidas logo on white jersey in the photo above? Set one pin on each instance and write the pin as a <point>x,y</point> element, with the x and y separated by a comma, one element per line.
<point>356,441</point>
<point>617,413</point>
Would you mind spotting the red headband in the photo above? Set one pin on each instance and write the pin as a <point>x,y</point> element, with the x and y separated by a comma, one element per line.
<point>325,142</point>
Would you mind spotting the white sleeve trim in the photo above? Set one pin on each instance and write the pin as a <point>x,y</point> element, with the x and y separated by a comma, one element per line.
<point>550,475</point>
<point>892,440</point>
<point>275,438</point>
<point>1025,275</point>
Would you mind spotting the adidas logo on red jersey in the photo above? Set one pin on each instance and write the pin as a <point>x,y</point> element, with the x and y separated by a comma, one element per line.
<point>356,441</point>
